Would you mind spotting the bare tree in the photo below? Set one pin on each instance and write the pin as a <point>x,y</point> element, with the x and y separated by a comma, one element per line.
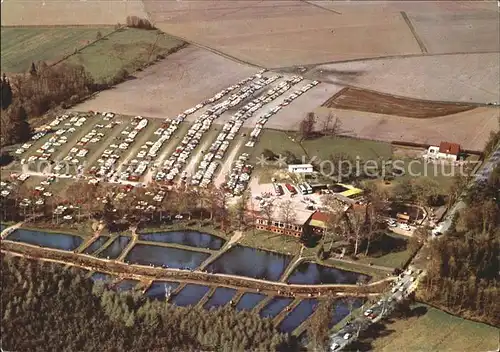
<point>287,212</point>
<point>357,220</point>
<point>307,126</point>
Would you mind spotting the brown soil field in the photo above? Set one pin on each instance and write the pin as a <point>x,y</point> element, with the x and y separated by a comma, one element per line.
<point>165,89</point>
<point>276,33</point>
<point>69,12</point>
<point>380,103</point>
<point>470,129</point>
<point>457,77</point>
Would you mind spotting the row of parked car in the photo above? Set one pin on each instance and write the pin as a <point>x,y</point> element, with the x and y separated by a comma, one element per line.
<point>254,135</point>
<point>219,147</point>
<point>240,175</point>
<point>172,167</point>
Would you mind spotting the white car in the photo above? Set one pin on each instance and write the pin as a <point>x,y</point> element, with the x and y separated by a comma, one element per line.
<point>347,336</point>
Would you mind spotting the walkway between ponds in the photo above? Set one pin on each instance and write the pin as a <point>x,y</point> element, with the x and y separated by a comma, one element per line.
<point>228,245</point>
<point>140,272</point>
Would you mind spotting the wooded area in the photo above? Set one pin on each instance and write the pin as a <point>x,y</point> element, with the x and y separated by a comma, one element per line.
<point>45,304</point>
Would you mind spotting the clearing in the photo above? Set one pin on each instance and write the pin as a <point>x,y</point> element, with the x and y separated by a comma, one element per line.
<point>433,330</point>
<point>380,103</point>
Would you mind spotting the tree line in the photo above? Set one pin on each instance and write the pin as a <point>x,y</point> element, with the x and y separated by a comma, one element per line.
<point>45,304</point>
<point>463,270</point>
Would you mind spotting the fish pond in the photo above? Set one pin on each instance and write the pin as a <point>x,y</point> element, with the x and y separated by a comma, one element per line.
<point>126,285</point>
<point>46,239</point>
<point>188,238</point>
<point>220,297</point>
<point>298,315</point>
<point>250,262</point>
<point>165,256</point>
<point>94,246</point>
<point>313,274</point>
<point>275,306</point>
<point>249,300</point>
<point>190,295</point>
<point>159,289</point>
<point>114,250</point>
<point>342,307</point>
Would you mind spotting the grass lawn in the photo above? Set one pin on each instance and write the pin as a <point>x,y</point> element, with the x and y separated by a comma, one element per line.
<point>321,148</point>
<point>193,225</point>
<point>22,46</point>
<point>436,330</point>
<point>128,48</point>
<point>395,258</point>
<point>271,241</point>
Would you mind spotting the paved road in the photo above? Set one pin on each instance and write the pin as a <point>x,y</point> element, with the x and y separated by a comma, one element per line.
<point>402,288</point>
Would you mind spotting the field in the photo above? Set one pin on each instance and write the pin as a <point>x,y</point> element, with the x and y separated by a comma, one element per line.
<point>370,101</point>
<point>274,39</point>
<point>127,48</point>
<point>172,85</point>
<point>462,128</point>
<point>57,12</point>
<point>22,46</point>
<point>434,330</point>
<point>457,78</point>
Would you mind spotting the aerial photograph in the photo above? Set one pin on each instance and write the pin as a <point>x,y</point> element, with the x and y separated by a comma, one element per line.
<point>250,175</point>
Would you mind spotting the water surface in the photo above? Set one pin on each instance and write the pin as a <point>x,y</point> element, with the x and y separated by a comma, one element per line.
<point>312,273</point>
<point>190,295</point>
<point>342,308</point>
<point>250,262</point>
<point>158,289</point>
<point>188,238</point>
<point>94,246</point>
<point>176,258</point>
<point>249,300</point>
<point>275,306</point>
<point>46,239</point>
<point>298,315</point>
<point>220,297</point>
<point>126,285</point>
<point>116,248</point>
<point>98,276</point>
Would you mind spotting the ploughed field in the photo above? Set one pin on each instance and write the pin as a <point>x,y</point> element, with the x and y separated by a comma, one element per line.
<point>380,103</point>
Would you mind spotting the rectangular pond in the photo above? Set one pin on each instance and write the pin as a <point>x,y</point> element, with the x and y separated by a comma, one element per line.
<point>126,285</point>
<point>190,295</point>
<point>298,315</point>
<point>313,274</point>
<point>220,297</point>
<point>249,300</point>
<point>116,248</point>
<point>250,262</point>
<point>187,238</point>
<point>275,306</point>
<point>98,276</point>
<point>46,239</point>
<point>165,256</point>
<point>94,246</point>
<point>159,289</point>
<point>342,308</point>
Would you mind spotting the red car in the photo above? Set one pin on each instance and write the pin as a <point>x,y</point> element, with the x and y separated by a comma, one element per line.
<point>290,188</point>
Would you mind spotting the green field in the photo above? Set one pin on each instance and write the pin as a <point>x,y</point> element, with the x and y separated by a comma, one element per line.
<point>435,330</point>
<point>22,46</point>
<point>127,48</point>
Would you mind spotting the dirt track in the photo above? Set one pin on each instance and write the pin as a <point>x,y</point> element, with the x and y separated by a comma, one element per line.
<point>149,273</point>
<point>380,103</point>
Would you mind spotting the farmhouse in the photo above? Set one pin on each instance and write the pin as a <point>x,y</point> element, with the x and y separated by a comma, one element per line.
<point>445,151</point>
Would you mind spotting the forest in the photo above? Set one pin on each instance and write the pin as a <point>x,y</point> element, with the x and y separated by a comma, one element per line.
<point>463,270</point>
<point>46,304</point>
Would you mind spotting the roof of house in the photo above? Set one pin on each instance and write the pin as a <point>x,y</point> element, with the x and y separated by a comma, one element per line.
<point>449,148</point>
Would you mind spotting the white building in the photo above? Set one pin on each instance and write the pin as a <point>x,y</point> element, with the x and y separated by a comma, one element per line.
<point>300,168</point>
<point>445,151</point>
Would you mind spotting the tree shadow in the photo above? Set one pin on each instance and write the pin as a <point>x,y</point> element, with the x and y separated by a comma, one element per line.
<point>386,244</point>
